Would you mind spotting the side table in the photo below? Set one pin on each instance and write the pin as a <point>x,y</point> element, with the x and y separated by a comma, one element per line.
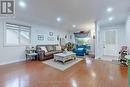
<point>30,54</point>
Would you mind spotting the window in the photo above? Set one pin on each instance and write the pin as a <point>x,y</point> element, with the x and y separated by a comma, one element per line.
<point>24,37</point>
<point>17,34</point>
<point>12,37</point>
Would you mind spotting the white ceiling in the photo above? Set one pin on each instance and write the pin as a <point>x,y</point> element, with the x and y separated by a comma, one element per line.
<point>82,13</point>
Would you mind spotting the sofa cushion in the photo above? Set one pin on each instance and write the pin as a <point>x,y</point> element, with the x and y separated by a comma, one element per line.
<point>49,53</point>
<point>80,49</point>
<point>58,48</point>
<point>57,51</point>
<point>50,48</point>
<point>43,48</point>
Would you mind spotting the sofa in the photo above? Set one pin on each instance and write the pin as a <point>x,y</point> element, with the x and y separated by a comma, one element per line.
<point>46,52</point>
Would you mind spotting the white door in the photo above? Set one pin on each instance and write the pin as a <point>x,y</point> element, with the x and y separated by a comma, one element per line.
<point>110,45</point>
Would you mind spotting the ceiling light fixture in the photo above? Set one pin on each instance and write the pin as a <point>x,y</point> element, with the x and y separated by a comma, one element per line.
<point>109,9</point>
<point>110,18</point>
<point>22,4</point>
<point>74,26</point>
<point>59,19</point>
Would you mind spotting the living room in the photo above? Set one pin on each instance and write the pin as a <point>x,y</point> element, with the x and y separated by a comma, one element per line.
<point>57,43</point>
<point>20,50</point>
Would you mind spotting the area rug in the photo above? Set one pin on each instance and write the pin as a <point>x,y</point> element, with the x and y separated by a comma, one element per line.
<point>59,65</point>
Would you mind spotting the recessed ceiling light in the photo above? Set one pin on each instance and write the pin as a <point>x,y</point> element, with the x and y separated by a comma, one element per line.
<point>110,18</point>
<point>109,9</point>
<point>58,19</point>
<point>22,4</point>
<point>74,26</point>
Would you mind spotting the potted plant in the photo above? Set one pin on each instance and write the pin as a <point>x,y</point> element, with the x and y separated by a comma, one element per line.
<point>69,46</point>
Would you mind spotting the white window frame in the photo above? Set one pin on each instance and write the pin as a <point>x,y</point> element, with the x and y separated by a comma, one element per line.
<point>27,28</point>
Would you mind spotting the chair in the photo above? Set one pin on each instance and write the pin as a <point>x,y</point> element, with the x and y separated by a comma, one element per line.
<point>80,50</point>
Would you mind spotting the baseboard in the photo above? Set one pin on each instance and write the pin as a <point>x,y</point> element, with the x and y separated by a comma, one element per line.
<point>97,57</point>
<point>10,62</point>
<point>92,54</point>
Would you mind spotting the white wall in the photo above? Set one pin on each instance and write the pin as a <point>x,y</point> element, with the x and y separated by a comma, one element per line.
<point>36,30</point>
<point>72,40</point>
<point>128,33</point>
<point>17,53</point>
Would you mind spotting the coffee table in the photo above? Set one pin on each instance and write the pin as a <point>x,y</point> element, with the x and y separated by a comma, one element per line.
<point>63,57</point>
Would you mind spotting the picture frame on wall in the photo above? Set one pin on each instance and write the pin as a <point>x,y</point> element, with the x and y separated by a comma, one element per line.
<point>40,37</point>
<point>70,36</point>
<point>51,33</point>
<point>65,36</point>
<point>51,38</point>
<point>93,36</point>
<point>58,37</point>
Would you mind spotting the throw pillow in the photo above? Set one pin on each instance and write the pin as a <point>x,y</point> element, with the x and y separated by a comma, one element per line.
<point>58,47</point>
<point>50,48</point>
<point>44,48</point>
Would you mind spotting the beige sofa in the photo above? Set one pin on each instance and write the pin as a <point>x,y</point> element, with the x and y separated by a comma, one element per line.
<point>46,52</point>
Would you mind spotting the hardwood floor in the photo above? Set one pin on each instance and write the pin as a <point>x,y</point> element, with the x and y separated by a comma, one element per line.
<point>87,73</point>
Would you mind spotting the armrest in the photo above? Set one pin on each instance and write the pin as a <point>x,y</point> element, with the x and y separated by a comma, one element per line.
<point>74,49</point>
<point>41,52</point>
<point>85,50</point>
